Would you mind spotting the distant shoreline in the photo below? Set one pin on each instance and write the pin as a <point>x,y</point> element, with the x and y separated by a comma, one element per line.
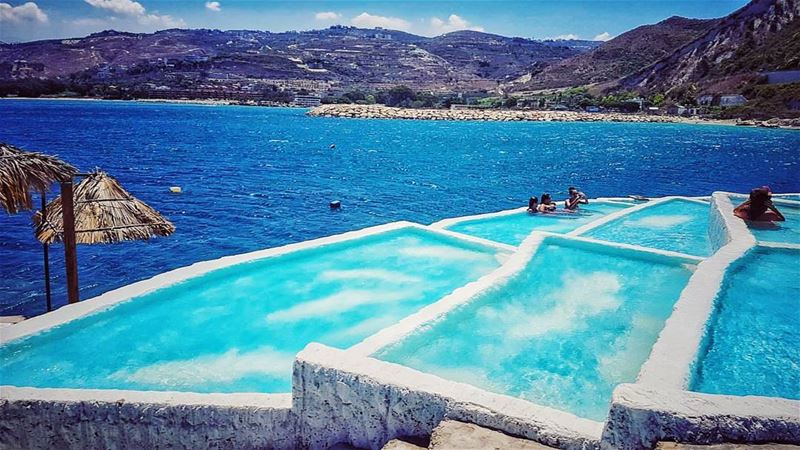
<point>512,115</point>
<point>487,115</point>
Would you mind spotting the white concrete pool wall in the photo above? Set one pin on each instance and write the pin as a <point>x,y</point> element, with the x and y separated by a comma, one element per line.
<point>659,406</point>
<point>104,418</point>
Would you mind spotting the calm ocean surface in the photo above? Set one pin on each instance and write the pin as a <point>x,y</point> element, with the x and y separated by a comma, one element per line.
<point>261,177</point>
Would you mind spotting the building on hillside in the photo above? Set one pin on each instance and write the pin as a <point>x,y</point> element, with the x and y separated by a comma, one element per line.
<point>307,101</point>
<point>726,100</point>
<point>705,100</point>
<point>676,110</point>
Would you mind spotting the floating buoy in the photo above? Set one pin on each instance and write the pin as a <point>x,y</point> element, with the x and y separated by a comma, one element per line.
<point>336,204</point>
<point>175,189</point>
<point>333,145</point>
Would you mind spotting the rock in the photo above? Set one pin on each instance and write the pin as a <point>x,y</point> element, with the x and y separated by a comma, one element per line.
<point>454,435</point>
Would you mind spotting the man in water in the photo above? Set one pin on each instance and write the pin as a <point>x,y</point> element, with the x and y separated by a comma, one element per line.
<point>759,207</point>
<point>575,199</point>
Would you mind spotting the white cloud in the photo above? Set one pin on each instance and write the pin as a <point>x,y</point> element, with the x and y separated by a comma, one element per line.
<point>565,37</point>
<point>27,12</point>
<point>125,7</point>
<point>604,36</point>
<point>138,12</point>
<point>453,23</point>
<point>366,20</point>
<point>157,20</point>
<point>214,6</point>
<point>327,15</point>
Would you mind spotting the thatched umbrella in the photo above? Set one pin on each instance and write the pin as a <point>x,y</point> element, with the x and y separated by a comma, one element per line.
<point>22,172</point>
<point>99,211</point>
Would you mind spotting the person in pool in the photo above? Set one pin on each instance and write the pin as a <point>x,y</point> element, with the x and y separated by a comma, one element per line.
<point>759,207</point>
<point>576,198</point>
<point>546,205</point>
<point>533,205</point>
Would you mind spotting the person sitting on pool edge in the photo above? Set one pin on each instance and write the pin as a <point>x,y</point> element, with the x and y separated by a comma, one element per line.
<point>575,199</point>
<point>759,207</point>
<point>546,205</point>
<point>533,204</point>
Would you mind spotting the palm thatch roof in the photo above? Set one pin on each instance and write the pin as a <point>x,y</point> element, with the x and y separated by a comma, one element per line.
<point>104,212</point>
<point>24,172</point>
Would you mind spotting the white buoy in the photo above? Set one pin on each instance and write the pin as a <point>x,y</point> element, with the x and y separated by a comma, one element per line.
<point>336,204</point>
<point>175,189</point>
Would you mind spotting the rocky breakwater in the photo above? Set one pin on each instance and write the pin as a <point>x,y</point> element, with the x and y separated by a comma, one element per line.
<point>503,115</point>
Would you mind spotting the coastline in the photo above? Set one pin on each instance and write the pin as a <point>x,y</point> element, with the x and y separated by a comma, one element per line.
<point>507,115</point>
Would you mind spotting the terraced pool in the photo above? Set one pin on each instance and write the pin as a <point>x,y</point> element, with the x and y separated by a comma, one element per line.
<point>678,225</point>
<point>577,320</point>
<point>237,329</point>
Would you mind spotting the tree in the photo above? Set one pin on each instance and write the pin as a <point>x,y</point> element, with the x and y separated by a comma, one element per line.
<point>397,96</point>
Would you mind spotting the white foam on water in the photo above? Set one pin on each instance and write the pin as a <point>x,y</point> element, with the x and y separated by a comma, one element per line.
<point>368,274</point>
<point>227,367</point>
<point>630,350</point>
<point>337,303</point>
<point>441,252</point>
<point>660,222</point>
<point>578,297</point>
<point>363,328</point>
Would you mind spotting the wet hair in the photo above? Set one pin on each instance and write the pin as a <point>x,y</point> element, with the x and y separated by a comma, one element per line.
<point>759,199</point>
<point>546,198</point>
<point>759,195</point>
<point>572,188</point>
<point>532,202</point>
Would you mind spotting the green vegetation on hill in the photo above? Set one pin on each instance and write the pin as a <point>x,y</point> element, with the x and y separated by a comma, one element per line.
<point>767,101</point>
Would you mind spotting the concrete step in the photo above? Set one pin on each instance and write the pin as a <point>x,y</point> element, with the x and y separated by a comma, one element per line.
<point>454,435</point>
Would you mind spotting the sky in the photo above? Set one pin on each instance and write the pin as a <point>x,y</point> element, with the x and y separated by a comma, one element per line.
<point>26,20</point>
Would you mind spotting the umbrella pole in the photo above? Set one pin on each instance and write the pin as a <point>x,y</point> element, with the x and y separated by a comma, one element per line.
<point>70,252</point>
<point>46,247</point>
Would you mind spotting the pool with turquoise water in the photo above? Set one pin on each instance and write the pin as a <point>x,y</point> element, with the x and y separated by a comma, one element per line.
<point>753,344</point>
<point>512,229</point>
<point>677,225</point>
<point>784,232</point>
<point>563,332</point>
<point>237,329</point>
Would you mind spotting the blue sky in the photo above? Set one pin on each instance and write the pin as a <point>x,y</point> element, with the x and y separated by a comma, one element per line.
<point>24,20</point>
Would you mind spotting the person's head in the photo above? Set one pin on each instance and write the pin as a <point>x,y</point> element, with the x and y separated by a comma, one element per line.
<point>546,199</point>
<point>533,202</point>
<point>760,195</point>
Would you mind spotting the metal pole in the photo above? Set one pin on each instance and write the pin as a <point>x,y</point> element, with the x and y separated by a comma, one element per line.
<point>70,252</point>
<point>46,248</point>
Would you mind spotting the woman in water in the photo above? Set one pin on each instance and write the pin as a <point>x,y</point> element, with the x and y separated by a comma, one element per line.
<point>533,205</point>
<point>546,205</point>
<point>759,207</point>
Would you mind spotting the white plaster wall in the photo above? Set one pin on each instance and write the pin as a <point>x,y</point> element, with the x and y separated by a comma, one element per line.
<point>341,397</point>
<point>641,416</point>
<point>64,419</point>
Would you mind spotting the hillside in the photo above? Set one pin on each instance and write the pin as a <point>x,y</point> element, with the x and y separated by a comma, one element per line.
<point>336,58</point>
<point>620,56</point>
<point>763,35</point>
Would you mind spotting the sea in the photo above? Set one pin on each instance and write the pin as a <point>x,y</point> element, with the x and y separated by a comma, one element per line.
<point>253,177</point>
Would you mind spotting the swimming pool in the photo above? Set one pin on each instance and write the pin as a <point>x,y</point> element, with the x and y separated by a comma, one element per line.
<point>513,228</point>
<point>237,329</point>
<point>786,232</point>
<point>752,344</point>
<point>574,322</point>
<point>678,224</point>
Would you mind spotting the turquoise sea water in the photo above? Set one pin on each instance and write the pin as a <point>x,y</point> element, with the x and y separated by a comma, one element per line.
<point>753,346</point>
<point>238,329</point>
<point>677,225</point>
<point>258,177</point>
<point>563,333</point>
<point>512,229</point>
